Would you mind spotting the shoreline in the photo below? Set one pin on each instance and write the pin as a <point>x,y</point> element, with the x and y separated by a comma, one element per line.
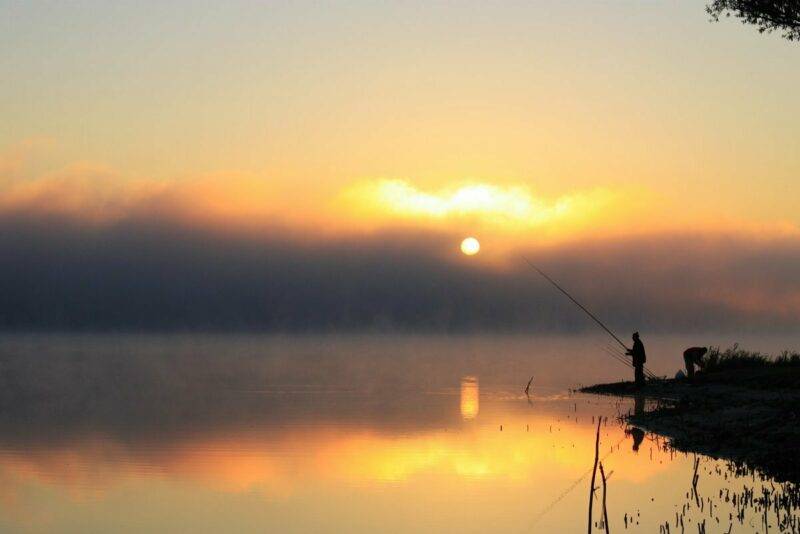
<point>748,417</point>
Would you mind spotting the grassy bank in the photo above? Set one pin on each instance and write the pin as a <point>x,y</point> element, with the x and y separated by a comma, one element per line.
<point>744,406</point>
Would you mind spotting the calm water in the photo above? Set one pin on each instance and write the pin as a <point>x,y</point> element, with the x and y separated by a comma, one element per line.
<point>345,434</point>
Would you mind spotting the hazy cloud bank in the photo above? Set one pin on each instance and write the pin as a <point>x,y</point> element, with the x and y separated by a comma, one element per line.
<point>155,273</point>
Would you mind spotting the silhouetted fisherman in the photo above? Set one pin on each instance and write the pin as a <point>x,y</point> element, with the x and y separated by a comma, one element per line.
<point>693,356</point>
<point>639,357</point>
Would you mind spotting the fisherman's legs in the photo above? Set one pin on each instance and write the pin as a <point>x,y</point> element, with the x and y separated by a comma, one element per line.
<point>639,368</point>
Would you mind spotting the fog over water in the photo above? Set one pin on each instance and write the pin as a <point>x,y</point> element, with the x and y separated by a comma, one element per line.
<point>151,272</point>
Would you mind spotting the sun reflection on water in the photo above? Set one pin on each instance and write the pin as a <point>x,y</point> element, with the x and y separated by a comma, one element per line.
<point>470,403</point>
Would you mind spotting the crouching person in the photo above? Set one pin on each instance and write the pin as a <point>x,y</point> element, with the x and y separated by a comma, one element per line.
<point>693,356</point>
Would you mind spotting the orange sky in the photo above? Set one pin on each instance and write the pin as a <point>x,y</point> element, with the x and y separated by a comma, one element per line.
<point>503,215</point>
<point>531,129</point>
<point>496,120</point>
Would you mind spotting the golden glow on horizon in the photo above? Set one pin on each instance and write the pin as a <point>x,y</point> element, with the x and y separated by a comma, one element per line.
<point>470,246</point>
<point>512,205</point>
<point>507,215</point>
<point>511,128</point>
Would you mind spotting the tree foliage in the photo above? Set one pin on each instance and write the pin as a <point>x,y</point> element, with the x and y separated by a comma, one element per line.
<point>766,15</point>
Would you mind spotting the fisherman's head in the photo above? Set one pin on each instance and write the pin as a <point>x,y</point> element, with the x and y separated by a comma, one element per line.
<point>635,336</point>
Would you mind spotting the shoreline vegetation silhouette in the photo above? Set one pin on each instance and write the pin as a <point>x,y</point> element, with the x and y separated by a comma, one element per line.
<point>766,15</point>
<point>742,406</point>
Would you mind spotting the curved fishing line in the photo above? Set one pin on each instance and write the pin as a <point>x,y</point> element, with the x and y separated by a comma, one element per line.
<point>621,356</point>
<point>616,355</point>
<point>569,489</point>
<point>624,362</point>
<point>647,371</point>
<point>609,349</point>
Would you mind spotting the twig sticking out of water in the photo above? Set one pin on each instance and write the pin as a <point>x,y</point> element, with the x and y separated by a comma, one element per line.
<point>605,510</point>
<point>594,472</point>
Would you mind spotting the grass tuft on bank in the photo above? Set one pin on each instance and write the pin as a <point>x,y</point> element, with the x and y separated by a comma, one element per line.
<point>735,358</point>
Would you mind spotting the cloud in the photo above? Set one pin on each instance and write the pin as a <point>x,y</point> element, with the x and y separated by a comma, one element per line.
<point>158,273</point>
<point>514,205</point>
<point>98,195</point>
<point>95,194</point>
<point>89,249</point>
<point>506,212</point>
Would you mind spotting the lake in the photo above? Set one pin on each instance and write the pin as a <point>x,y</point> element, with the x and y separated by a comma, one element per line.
<point>350,433</point>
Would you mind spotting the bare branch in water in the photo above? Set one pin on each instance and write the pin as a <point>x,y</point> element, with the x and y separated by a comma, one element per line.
<point>594,472</point>
<point>605,510</point>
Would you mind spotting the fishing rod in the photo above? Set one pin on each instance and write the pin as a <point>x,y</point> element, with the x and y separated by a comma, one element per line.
<point>617,354</point>
<point>614,355</point>
<point>623,356</point>
<point>560,497</point>
<point>582,307</point>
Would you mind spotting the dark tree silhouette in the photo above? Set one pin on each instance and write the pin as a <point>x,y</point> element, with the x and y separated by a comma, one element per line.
<point>767,15</point>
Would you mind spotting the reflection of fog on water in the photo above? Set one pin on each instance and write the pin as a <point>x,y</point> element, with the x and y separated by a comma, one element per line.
<point>470,402</point>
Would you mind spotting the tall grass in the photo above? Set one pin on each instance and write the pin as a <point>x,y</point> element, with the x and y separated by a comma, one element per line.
<point>738,358</point>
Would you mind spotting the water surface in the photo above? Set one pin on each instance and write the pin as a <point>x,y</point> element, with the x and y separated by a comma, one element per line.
<point>200,433</point>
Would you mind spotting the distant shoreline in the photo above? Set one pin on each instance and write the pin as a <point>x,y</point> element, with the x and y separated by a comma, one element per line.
<point>747,416</point>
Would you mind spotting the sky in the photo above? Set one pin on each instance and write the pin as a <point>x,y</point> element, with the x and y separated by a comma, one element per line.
<point>171,154</point>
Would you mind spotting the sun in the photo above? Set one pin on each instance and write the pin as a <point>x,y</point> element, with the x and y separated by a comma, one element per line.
<point>470,246</point>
